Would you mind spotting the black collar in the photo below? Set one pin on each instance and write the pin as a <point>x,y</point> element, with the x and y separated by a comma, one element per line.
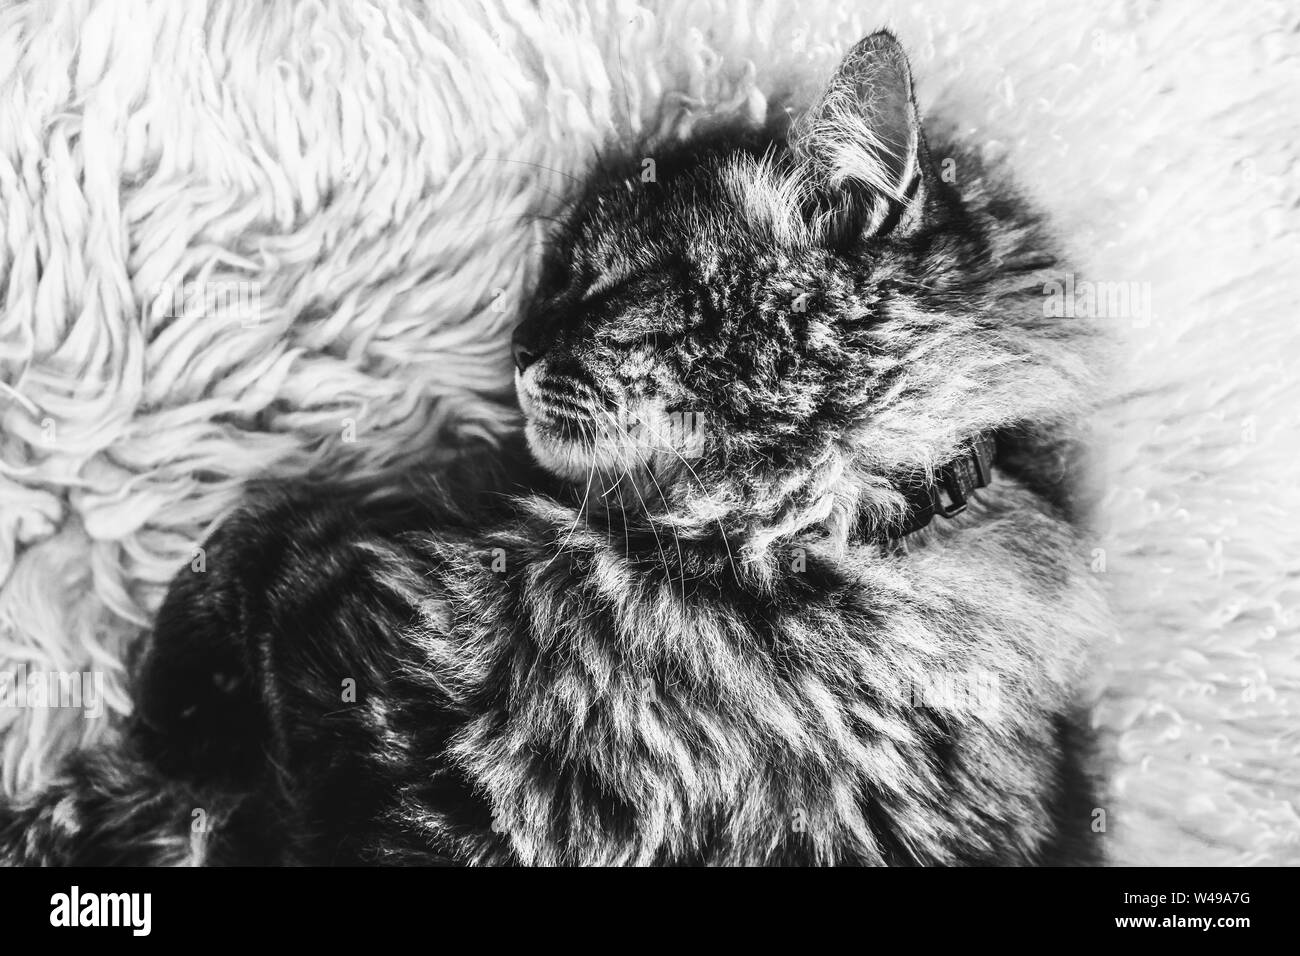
<point>958,479</point>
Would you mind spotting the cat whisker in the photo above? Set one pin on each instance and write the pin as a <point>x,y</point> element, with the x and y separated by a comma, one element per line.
<point>726,543</point>
<point>591,472</point>
<point>627,541</point>
<point>622,72</point>
<point>681,563</point>
<point>524,162</point>
<point>557,399</point>
<point>677,541</point>
<point>524,219</point>
<point>663,555</point>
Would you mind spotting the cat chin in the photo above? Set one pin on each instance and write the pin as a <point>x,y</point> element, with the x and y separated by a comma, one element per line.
<point>610,464</point>
<point>567,459</point>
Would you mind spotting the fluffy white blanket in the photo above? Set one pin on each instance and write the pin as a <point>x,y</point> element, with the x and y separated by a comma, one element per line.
<point>348,187</point>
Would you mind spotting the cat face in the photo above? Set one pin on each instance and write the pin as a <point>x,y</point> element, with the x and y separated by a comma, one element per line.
<point>718,315</point>
<point>672,325</point>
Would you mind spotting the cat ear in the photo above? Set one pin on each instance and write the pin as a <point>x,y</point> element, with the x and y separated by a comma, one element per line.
<point>861,145</point>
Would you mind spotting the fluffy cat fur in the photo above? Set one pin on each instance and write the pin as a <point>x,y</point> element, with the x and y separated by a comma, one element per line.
<point>669,648</point>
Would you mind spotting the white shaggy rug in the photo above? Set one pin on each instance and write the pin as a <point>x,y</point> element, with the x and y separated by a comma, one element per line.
<point>349,185</point>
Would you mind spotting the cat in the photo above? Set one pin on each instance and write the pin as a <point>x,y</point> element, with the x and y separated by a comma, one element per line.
<point>692,615</point>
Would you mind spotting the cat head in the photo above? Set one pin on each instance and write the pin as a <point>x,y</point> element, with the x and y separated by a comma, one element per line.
<point>771,329</point>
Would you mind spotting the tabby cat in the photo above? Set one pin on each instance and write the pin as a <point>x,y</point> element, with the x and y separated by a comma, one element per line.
<point>708,629</point>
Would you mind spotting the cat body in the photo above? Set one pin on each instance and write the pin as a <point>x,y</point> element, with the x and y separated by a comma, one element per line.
<point>566,706</point>
<point>626,709</point>
<point>701,644</point>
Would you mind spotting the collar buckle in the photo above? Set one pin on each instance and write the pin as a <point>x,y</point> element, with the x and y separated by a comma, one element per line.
<point>958,480</point>
<point>956,494</point>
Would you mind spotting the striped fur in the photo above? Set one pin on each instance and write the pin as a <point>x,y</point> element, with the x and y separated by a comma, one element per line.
<point>646,655</point>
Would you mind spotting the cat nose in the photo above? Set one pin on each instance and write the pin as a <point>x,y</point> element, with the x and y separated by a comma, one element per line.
<point>523,350</point>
